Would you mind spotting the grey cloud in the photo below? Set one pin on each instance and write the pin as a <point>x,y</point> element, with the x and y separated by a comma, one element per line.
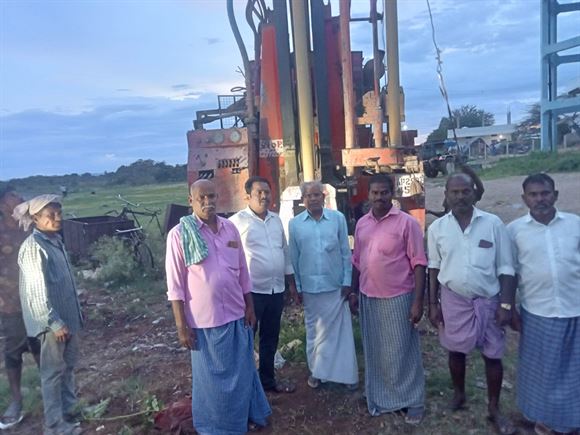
<point>212,41</point>
<point>37,141</point>
<point>180,86</point>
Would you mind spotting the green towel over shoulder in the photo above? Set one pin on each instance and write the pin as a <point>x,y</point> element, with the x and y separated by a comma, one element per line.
<point>194,246</point>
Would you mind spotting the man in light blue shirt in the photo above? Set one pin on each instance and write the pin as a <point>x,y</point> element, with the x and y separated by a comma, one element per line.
<point>321,259</point>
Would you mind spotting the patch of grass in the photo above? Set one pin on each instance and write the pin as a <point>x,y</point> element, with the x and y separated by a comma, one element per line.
<point>154,196</point>
<point>140,400</point>
<point>126,430</point>
<point>30,387</point>
<point>139,413</point>
<point>437,380</point>
<point>95,411</point>
<point>142,294</point>
<point>292,329</point>
<point>536,161</point>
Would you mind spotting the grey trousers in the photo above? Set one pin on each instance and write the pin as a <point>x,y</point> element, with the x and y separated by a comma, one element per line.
<point>57,362</point>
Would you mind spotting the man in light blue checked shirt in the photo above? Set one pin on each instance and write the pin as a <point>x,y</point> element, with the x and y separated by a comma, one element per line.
<point>320,256</point>
<point>50,309</point>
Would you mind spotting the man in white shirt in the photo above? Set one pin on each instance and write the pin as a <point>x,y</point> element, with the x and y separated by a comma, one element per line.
<point>270,268</point>
<point>470,261</point>
<point>546,245</point>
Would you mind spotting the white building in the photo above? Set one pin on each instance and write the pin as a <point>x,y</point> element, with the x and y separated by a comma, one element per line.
<point>476,139</point>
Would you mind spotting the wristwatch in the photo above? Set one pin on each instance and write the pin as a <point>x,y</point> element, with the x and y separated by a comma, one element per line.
<point>506,306</point>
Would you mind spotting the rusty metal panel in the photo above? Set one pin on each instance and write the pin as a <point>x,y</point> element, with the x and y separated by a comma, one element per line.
<point>80,233</point>
<point>361,157</point>
<point>220,155</point>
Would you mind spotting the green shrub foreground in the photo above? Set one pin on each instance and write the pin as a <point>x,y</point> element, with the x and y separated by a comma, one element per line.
<point>116,263</point>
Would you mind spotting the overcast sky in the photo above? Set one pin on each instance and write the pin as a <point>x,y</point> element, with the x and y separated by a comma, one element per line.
<point>89,85</point>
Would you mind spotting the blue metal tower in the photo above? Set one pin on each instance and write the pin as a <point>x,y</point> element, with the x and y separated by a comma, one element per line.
<point>551,105</point>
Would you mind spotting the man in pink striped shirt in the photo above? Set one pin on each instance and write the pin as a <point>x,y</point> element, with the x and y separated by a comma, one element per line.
<point>209,286</point>
<point>389,270</point>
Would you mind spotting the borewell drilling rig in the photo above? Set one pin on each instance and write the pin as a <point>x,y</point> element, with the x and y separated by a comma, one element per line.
<point>318,112</point>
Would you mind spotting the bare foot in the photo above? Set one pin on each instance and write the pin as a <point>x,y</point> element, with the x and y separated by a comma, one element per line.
<point>501,423</point>
<point>458,403</point>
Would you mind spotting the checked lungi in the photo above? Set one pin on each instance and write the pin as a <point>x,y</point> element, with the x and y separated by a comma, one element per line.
<point>548,383</point>
<point>226,389</point>
<point>394,377</point>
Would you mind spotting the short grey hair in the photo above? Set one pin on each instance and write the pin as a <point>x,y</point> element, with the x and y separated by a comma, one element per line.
<point>308,184</point>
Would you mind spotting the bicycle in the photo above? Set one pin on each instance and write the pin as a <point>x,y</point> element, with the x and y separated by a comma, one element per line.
<point>135,237</point>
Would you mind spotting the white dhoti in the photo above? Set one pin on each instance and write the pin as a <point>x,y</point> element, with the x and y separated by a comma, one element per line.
<point>329,340</point>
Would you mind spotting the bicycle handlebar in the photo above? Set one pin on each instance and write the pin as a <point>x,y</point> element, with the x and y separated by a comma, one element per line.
<point>130,230</point>
<point>128,212</point>
<point>120,198</point>
<point>152,211</point>
<point>148,210</point>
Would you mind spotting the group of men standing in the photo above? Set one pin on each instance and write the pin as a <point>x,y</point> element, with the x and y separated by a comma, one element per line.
<point>226,281</point>
<point>229,275</point>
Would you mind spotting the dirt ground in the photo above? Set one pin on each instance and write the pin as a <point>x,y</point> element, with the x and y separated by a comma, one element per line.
<point>130,357</point>
<point>502,196</point>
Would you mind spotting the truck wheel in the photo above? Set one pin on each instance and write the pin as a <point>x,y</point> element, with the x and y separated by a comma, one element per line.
<point>430,171</point>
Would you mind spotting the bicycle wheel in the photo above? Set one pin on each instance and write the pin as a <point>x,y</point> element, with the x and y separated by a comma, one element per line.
<point>144,257</point>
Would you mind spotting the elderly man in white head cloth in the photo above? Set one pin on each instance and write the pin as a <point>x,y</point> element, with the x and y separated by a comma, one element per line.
<point>50,309</point>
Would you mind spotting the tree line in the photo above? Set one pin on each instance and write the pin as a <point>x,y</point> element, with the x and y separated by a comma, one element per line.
<point>138,173</point>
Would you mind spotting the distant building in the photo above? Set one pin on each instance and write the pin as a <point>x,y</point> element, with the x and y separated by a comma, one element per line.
<point>476,139</point>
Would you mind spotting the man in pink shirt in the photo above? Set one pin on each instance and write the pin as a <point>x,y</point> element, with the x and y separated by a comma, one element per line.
<point>209,286</point>
<point>389,270</point>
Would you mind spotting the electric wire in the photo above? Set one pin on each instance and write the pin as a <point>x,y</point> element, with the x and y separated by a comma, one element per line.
<point>442,86</point>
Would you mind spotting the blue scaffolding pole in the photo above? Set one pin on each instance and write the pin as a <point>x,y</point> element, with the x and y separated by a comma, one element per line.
<point>551,105</point>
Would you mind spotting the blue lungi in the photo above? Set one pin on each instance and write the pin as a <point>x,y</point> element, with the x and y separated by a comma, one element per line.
<point>226,388</point>
<point>548,383</point>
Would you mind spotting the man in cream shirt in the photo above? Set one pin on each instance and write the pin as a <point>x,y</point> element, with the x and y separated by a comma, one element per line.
<point>470,261</point>
<point>546,244</point>
<point>269,263</point>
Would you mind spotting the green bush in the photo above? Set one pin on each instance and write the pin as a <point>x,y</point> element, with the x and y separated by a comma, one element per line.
<point>156,243</point>
<point>116,261</point>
